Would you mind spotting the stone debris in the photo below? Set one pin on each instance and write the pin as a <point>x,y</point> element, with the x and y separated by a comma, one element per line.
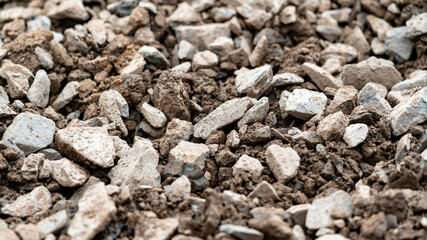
<point>304,104</point>
<point>333,126</point>
<point>114,107</point>
<point>416,79</point>
<point>398,45</point>
<point>355,134</point>
<point>68,93</point>
<point>45,58</point>
<point>256,113</point>
<point>417,25</point>
<point>69,9</point>
<point>378,26</point>
<point>154,116</point>
<point>38,200</point>
<point>283,162</point>
<point>67,173</point>
<point>17,77</point>
<point>152,228</point>
<point>221,46</point>
<point>241,232</point>
<point>202,36</point>
<point>344,100</point>
<point>204,59</point>
<point>259,52</point>
<point>27,231</point>
<point>52,223</point>
<point>154,56</point>
<point>284,79</point>
<point>247,165</point>
<point>372,96</point>
<point>186,50</point>
<point>264,191</point>
<point>136,66</point>
<point>30,167</point>
<point>40,89</point>
<point>179,189</point>
<point>254,82</point>
<point>320,77</point>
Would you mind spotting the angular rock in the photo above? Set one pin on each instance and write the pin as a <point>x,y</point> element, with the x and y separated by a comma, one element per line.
<point>136,66</point>
<point>378,26</point>
<point>283,162</point>
<point>221,14</point>
<point>333,126</point>
<point>355,134</point>
<point>247,165</point>
<point>356,39</point>
<point>284,79</point>
<point>256,113</point>
<point>68,93</point>
<point>258,54</point>
<point>6,111</point>
<point>154,56</point>
<point>328,27</point>
<point>153,115</point>
<point>344,52</point>
<point>182,68</point>
<point>186,50</point>
<point>183,14</point>
<point>320,77</point>
<point>264,191</point>
<point>304,104</point>
<point>372,96</point>
<point>417,25</point>
<point>222,116</point>
<point>113,106</point>
<point>68,174</point>
<point>298,213</point>
<point>152,228</point>
<point>332,237</point>
<point>27,231</point>
<point>69,9</point>
<point>38,200</point>
<point>96,28</point>
<point>179,189</point>
<point>30,132</point>
<point>378,47</point>
<point>254,82</point>
<point>7,234</point>
<point>44,57</point>
<point>344,100</point>
<point>203,35</point>
<point>4,98</point>
<point>96,210</point>
<point>375,226</point>
<point>39,90</point>
<point>398,45</point>
<point>241,232</point>
<point>204,59</point>
<point>362,197</point>
<point>30,167</point>
<point>17,77</point>
<point>88,145</point>
<point>53,223</point>
<point>417,79</point>
<point>288,15</point>
<point>222,46</point>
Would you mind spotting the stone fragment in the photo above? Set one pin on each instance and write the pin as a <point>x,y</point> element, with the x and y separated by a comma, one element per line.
<point>182,68</point>
<point>221,14</point>
<point>17,77</point>
<point>378,26</point>
<point>69,9</point>
<point>6,111</point>
<point>283,162</point>
<point>113,106</point>
<point>319,213</point>
<point>154,56</point>
<point>233,139</point>
<point>332,237</point>
<point>398,45</point>
<point>149,6</point>
<point>344,100</point>
<point>332,66</point>
<point>409,113</point>
<point>203,35</point>
<point>264,191</point>
<point>44,57</point>
<point>204,59</point>
<point>153,228</point>
<point>183,14</point>
<point>4,98</point>
<point>222,116</point>
<point>68,174</point>
<point>7,234</point>
<point>298,213</point>
<point>373,69</point>
<point>95,211</point>
<point>355,134</point>
<point>344,52</point>
<point>258,18</point>
<point>362,197</point>
<point>53,223</point>
<point>372,96</point>
<point>222,46</point>
<point>417,25</point>
<point>137,167</point>
<point>30,167</point>
<point>254,82</point>
<point>39,90</point>
<point>30,132</point>
<point>27,231</point>
<point>417,79</point>
<point>288,15</point>
<point>328,27</point>
<point>60,54</point>
<point>258,54</point>
<point>304,104</point>
<point>96,28</point>
<point>256,113</point>
<point>284,79</point>
<point>355,38</point>
<point>320,77</point>
<point>179,189</point>
<point>88,145</point>
<point>378,47</point>
<point>39,23</point>
<point>241,232</point>
<point>136,66</point>
<point>68,93</point>
<point>247,165</point>
<point>38,200</point>
<point>153,115</point>
<point>333,126</point>
<point>186,50</point>
<point>375,226</point>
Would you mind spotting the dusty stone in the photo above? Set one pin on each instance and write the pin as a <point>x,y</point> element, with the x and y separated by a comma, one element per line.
<point>183,14</point>
<point>38,200</point>
<point>113,106</point>
<point>375,226</point>
<point>378,47</point>
<point>288,15</point>
<point>204,59</point>
<point>258,54</point>
<point>298,213</point>
<point>203,35</point>
<point>222,46</point>
<point>417,25</point>
<point>328,27</point>
<point>258,18</point>
<point>30,167</point>
<point>154,56</point>
<point>186,50</point>
<point>27,231</point>
<point>46,60</point>
<point>177,131</point>
<point>310,137</point>
<point>256,113</point>
<point>39,90</point>
<point>89,145</point>
<point>355,134</point>
<point>30,132</point>
<point>333,126</point>
<point>304,104</point>
<point>416,79</point>
<point>221,14</point>
<point>254,82</point>
<point>284,79</point>
<point>332,66</point>
<point>182,68</point>
<point>72,9</point>
<point>403,147</point>
<point>319,213</point>
<point>320,77</point>
<point>6,111</point>
<point>378,26</point>
<point>68,93</point>
<point>60,54</point>
<point>332,237</point>
<point>373,69</point>
<point>338,50</point>
<point>96,210</point>
<point>261,134</point>
<point>136,66</point>
<point>153,115</point>
<point>17,77</point>
<point>372,95</point>
<point>145,127</point>
<point>248,165</point>
<point>179,189</point>
<point>264,191</point>
<point>283,162</point>
<point>356,39</point>
<point>151,228</point>
<point>7,234</point>
<point>222,116</point>
<point>52,223</point>
<point>4,98</point>
<point>233,139</point>
<point>398,45</point>
<point>241,232</point>
<point>96,28</point>
<point>137,167</point>
<point>68,174</point>
<point>344,100</point>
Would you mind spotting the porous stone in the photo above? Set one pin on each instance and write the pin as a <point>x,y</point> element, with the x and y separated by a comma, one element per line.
<point>67,173</point>
<point>39,90</point>
<point>38,200</point>
<point>256,113</point>
<point>52,223</point>
<point>203,35</point>
<point>241,232</point>
<point>68,93</point>
<point>254,82</point>
<point>247,165</point>
<point>154,56</point>
<point>304,104</point>
<point>154,116</point>
<point>283,162</point>
<point>179,189</point>
<point>355,134</point>
<point>333,126</point>
<point>204,59</point>
<point>320,77</point>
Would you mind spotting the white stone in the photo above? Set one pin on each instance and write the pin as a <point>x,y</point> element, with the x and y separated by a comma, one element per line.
<point>39,23</point>
<point>6,111</point>
<point>201,36</point>
<point>136,66</point>
<point>204,59</point>
<point>304,104</point>
<point>320,77</point>
<point>44,57</point>
<point>187,159</point>
<point>153,228</point>
<point>154,116</point>
<point>248,165</point>
<point>355,134</point>
<point>179,189</point>
<point>30,167</point>
<point>38,200</point>
<point>256,113</point>
<point>182,68</point>
<point>378,26</point>
<point>27,231</point>
<point>417,79</point>
<point>284,79</point>
<point>241,232</point>
<point>95,210</point>
<point>96,28</point>
<point>6,233</point>
<point>39,90</point>
<point>254,82</point>
<point>154,56</point>
<point>89,145</point>
<point>72,9</point>
<point>68,174</point>
<point>17,77</point>
<point>68,93</point>
<point>417,24</point>
<point>288,15</point>
<point>362,197</point>
<point>186,50</point>
<point>332,237</point>
<point>283,162</point>
<point>114,107</point>
<point>52,223</point>
<point>222,46</point>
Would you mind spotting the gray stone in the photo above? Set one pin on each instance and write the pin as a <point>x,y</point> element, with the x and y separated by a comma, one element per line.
<point>4,98</point>
<point>179,189</point>
<point>247,165</point>
<point>241,232</point>
<point>186,50</point>
<point>417,79</point>
<point>183,14</point>
<point>6,111</point>
<point>283,79</point>
<point>344,100</point>
<point>149,6</point>
<point>30,132</point>
<point>378,47</point>
<point>39,91</point>
<point>333,66</point>
<point>30,167</point>
<point>333,126</point>
<point>304,104</point>
<point>38,200</point>
<point>355,134</point>
<point>256,58</point>
<point>338,50</point>
<point>417,25</point>
<point>256,113</point>
<point>320,77</point>
<point>254,82</point>
<point>222,46</point>
<point>204,59</point>
<point>398,45</point>
<point>72,9</point>
<point>97,29</point>
<point>113,106</point>
<point>75,38</point>
<point>68,93</point>
<point>403,147</point>
<point>332,237</point>
<point>264,191</point>
<point>6,233</point>
<point>356,39</point>
<point>222,116</point>
<point>233,139</point>
<point>283,162</point>
<point>288,15</point>
<point>53,223</point>
<point>182,68</point>
<point>136,66</point>
<point>372,96</point>
<point>68,174</point>
<point>258,18</point>
<point>154,56</point>
<point>221,14</point>
<point>203,35</point>
<point>378,26</point>
<point>298,213</point>
<point>17,77</point>
<point>328,27</point>
<point>154,116</point>
<point>39,23</point>
<point>44,57</point>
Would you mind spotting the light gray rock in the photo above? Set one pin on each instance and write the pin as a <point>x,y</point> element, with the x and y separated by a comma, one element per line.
<point>39,23</point>
<point>182,68</point>
<point>179,189</point>
<point>149,6</point>
<point>256,113</point>
<point>17,77</point>
<point>398,45</point>
<point>68,174</point>
<point>298,213</point>
<point>203,35</point>
<point>27,231</point>
<point>332,237</point>
<point>344,100</point>
<point>154,116</point>
<point>39,90</point>
<point>247,165</point>
<point>372,96</point>
<point>137,167</point>
<point>362,197</point>
<point>44,57</point>
<point>333,65</point>
<point>319,213</point>
<point>136,66</point>
<point>186,50</point>
<point>409,113</point>
<point>417,25</point>
<point>96,210</point>
<point>222,46</point>
<point>254,82</point>
<point>6,111</point>
<point>72,9</point>
<point>154,56</point>
<point>204,59</point>
<point>304,104</point>
<point>152,228</point>
<point>403,147</point>
<point>320,77</point>
<point>284,79</point>
<point>97,29</point>
<point>288,15</point>
<point>378,26</point>
<point>257,56</point>
<point>30,132</point>
<point>417,79</point>
<point>328,27</point>
<point>355,134</point>
<point>338,50</point>
<point>233,139</point>
<point>30,167</point>
<point>264,191</point>
<point>113,106</point>
<point>4,98</point>
<point>282,103</point>
<point>183,14</point>
<point>221,14</point>
<point>356,39</point>
<point>378,47</point>
<point>89,145</point>
<point>222,116</point>
<point>68,93</point>
<point>241,232</point>
<point>283,162</point>
<point>52,223</point>
<point>38,200</point>
<point>333,126</point>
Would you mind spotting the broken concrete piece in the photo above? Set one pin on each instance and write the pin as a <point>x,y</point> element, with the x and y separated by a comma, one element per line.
<point>247,165</point>
<point>38,200</point>
<point>68,174</point>
<point>255,82</point>
<point>333,126</point>
<point>179,189</point>
<point>304,104</point>
<point>283,162</point>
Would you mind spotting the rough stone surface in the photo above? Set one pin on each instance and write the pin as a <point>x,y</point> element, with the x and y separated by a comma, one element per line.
<point>204,59</point>
<point>153,115</point>
<point>398,45</point>
<point>68,93</point>
<point>256,113</point>
<point>257,56</point>
<point>344,100</point>
<point>254,82</point>
<point>45,58</point>
<point>113,106</point>
<point>154,56</point>
<point>304,104</point>
<point>284,79</point>
<point>241,232</point>
<point>416,79</point>
<point>17,77</point>
<point>378,26</point>
<point>186,50</point>
<point>283,162</point>
<point>320,77</point>
<point>39,90</point>
<point>27,231</point>
<point>417,25</point>
<point>38,200</point>
<point>247,165</point>
<point>7,234</point>
<point>68,174</point>
<point>372,96</point>
<point>30,167</point>
<point>52,223</point>
<point>136,66</point>
<point>264,191</point>
<point>202,36</point>
<point>333,126</point>
<point>355,134</point>
<point>152,228</point>
<point>179,189</point>
<point>72,9</point>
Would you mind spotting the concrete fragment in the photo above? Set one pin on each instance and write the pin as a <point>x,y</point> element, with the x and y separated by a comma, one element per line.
<point>255,82</point>
<point>186,50</point>
<point>179,189</point>
<point>68,93</point>
<point>241,232</point>
<point>204,59</point>
<point>304,104</point>
<point>283,162</point>
<point>247,165</point>
<point>284,79</point>
<point>68,174</point>
<point>372,96</point>
<point>52,223</point>
<point>320,77</point>
<point>333,126</point>
<point>39,91</point>
<point>44,57</point>
<point>153,115</point>
<point>417,25</point>
<point>38,200</point>
<point>344,100</point>
<point>17,77</point>
<point>355,134</point>
<point>154,56</point>
<point>256,113</point>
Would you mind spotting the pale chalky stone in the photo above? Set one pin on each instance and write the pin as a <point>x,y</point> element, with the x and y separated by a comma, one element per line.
<point>283,162</point>
<point>355,134</point>
<point>38,200</point>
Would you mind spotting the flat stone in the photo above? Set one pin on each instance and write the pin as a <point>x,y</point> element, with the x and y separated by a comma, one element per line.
<point>355,38</point>
<point>362,197</point>
<point>398,45</point>
<point>254,82</point>
<point>344,100</point>
<point>182,68</point>
<point>68,93</point>
<point>284,79</point>
<point>69,9</point>
<point>355,134</point>
<point>27,231</point>
<point>320,77</point>
<point>338,50</point>
<point>373,69</point>
<point>30,167</point>
<point>89,145</point>
<point>256,113</point>
<point>247,165</point>
<point>186,50</point>
<point>333,126</point>
<point>319,213</point>
<point>136,66</point>
<point>154,56</point>
<point>417,25</point>
<point>283,162</point>
<point>38,200</point>
<point>68,174</point>
<point>53,223</point>
<point>152,228</point>
<point>304,104</point>
<point>264,191</point>
<point>378,26</point>
<point>372,96</point>
<point>17,77</point>
<point>137,167</point>
<point>328,27</point>
<point>95,211</point>
<point>30,132</point>
<point>203,35</point>
<point>222,116</point>
<point>4,98</point>
<point>204,59</point>
<point>154,116</point>
<point>417,79</point>
<point>241,232</point>
<point>44,57</point>
<point>39,90</point>
<point>409,113</point>
<point>258,54</point>
<point>179,189</point>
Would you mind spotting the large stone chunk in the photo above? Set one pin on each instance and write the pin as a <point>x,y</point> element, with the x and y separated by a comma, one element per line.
<point>319,213</point>
<point>137,167</point>
<point>222,116</point>
<point>373,69</point>
<point>320,77</point>
<point>372,96</point>
<point>203,35</point>
<point>398,45</point>
<point>355,134</point>
<point>39,90</point>
<point>69,9</point>
<point>304,104</point>
<point>96,210</point>
<point>417,25</point>
<point>30,132</point>
<point>247,165</point>
<point>17,77</point>
<point>333,126</point>
<point>409,113</point>
<point>38,200</point>
<point>179,189</point>
<point>89,145</point>
<point>68,174</point>
<point>254,82</point>
<point>283,162</point>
